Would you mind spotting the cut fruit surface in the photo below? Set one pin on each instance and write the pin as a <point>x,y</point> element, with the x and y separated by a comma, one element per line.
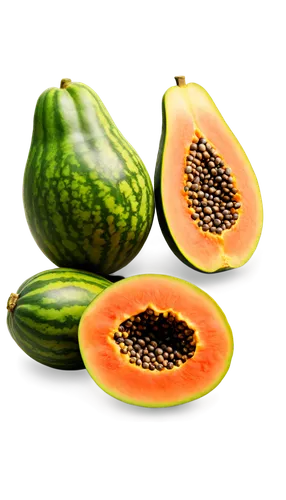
<point>154,340</point>
<point>207,196</point>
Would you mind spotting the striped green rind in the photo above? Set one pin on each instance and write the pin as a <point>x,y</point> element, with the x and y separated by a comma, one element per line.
<point>45,320</point>
<point>88,197</point>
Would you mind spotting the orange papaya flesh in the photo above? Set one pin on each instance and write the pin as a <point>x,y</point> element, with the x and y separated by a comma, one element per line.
<point>130,383</point>
<point>188,112</point>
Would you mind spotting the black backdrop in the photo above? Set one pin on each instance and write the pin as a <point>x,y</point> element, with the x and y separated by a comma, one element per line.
<point>132,97</point>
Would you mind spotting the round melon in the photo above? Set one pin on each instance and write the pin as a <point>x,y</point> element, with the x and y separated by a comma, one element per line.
<point>44,314</point>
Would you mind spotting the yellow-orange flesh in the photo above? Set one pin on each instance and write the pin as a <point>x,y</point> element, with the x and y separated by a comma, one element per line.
<point>190,112</point>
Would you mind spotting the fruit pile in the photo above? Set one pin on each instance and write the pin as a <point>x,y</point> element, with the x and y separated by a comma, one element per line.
<point>149,340</point>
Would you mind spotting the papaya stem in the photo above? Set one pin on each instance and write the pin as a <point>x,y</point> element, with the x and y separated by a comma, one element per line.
<point>12,301</point>
<point>65,82</point>
<point>180,81</point>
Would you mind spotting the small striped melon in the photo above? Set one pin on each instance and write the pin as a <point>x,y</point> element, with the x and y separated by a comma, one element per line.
<point>44,314</point>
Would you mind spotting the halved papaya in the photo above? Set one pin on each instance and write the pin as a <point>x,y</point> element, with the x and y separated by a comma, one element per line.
<point>207,196</point>
<point>154,340</point>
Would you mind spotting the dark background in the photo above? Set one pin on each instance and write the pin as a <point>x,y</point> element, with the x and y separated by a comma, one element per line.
<point>250,304</point>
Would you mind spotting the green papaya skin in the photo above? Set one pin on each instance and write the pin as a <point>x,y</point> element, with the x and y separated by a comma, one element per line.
<point>88,197</point>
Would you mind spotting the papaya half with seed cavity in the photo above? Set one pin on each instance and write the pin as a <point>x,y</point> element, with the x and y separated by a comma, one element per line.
<point>154,340</point>
<point>207,196</point>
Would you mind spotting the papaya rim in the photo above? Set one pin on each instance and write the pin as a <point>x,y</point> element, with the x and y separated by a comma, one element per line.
<point>153,404</point>
<point>224,256</point>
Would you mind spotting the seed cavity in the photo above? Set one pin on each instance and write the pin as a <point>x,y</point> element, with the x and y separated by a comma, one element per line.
<point>212,195</point>
<point>156,340</point>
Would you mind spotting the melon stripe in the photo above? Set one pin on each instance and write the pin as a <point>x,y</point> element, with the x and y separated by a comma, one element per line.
<point>45,320</point>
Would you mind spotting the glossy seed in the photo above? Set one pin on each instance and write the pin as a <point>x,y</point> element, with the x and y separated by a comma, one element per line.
<point>196,161</point>
<point>158,351</point>
<point>207,210</point>
<point>207,219</point>
<point>217,222</point>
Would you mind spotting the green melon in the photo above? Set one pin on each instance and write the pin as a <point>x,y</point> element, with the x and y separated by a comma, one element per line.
<point>44,315</point>
<point>88,197</point>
